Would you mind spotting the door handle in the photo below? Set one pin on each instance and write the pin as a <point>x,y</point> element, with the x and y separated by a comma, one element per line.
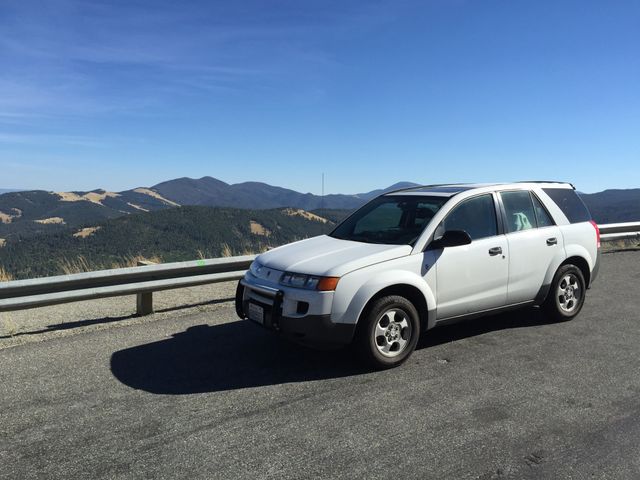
<point>495,251</point>
<point>552,241</point>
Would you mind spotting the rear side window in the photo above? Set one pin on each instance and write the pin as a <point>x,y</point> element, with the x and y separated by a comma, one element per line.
<point>569,203</point>
<point>544,219</point>
<point>519,210</point>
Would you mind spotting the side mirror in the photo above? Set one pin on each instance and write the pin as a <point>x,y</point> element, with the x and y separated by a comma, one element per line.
<point>451,238</point>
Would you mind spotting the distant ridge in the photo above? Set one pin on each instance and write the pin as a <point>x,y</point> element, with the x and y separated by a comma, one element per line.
<point>614,206</point>
<point>211,192</point>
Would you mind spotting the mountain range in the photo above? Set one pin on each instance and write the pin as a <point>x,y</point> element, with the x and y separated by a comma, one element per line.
<point>25,213</point>
<point>614,206</point>
<point>38,211</point>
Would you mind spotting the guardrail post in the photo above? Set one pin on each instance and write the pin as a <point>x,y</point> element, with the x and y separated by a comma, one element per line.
<point>144,301</point>
<point>144,304</point>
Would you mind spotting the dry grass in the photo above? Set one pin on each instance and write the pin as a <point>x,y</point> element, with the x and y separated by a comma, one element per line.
<point>4,275</point>
<point>258,229</point>
<point>132,261</point>
<point>226,250</point>
<point>622,244</point>
<point>202,254</point>
<point>86,232</point>
<point>138,207</point>
<point>156,195</point>
<point>93,197</point>
<point>81,264</point>
<point>75,265</point>
<point>304,214</point>
<point>51,221</point>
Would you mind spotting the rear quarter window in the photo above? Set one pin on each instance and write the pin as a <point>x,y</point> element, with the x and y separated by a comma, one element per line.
<point>570,204</point>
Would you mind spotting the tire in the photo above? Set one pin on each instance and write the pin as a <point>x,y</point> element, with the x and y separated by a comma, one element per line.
<point>238,301</point>
<point>567,293</point>
<point>387,332</point>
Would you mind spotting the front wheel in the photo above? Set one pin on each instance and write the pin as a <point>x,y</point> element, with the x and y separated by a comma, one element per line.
<point>566,297</point>
<point>388,332</point>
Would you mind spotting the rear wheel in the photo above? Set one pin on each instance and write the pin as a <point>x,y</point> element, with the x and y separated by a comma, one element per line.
<point>566,297</point>
<point>388,332</point>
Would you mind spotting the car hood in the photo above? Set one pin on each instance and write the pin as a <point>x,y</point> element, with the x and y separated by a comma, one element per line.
<point>328,256</point>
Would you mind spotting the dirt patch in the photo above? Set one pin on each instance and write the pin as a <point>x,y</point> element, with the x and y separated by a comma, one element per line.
<point>51,221</point>
<point>93,197</point>
<point>137,207</point>
<point>69,196</point>
<point>86,232</point>
<point>258,229</point>
<point>293,212</point>
<point>98,197</point>
<point>156,195</point>
<point>8,218</point>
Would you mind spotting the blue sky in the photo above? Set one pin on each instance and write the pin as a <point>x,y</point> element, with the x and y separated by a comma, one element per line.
<point>119,94</point>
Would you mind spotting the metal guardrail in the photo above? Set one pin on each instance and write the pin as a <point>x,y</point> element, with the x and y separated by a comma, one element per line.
<point>619,231</point>
<point>143,281</point>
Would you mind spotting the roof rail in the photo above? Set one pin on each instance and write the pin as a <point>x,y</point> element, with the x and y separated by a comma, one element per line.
<point>435,185</point>
<point>546,181</point>
<point>416,187</point>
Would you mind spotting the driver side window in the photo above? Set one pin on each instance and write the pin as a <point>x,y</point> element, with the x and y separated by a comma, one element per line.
<point>476,216</point>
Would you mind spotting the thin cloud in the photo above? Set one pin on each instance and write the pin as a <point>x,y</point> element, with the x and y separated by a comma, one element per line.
<point>64,140</point>
<point>75,58</point>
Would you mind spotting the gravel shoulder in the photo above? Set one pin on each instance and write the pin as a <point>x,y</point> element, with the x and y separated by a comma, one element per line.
<point>45,323</point>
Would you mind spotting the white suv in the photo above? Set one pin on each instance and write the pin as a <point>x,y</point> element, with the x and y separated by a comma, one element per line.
<point>416,258</point>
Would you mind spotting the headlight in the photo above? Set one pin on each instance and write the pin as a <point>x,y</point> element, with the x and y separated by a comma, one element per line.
<point>309,282</point>
<point>255,267</point>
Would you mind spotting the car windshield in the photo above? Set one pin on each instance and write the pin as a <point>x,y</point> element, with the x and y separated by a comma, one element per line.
<point>393,220</point>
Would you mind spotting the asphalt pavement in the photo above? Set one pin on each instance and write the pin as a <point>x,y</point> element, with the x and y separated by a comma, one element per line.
<point>206,396</point>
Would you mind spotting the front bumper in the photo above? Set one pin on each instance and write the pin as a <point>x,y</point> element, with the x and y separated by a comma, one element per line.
<point>311,330</point>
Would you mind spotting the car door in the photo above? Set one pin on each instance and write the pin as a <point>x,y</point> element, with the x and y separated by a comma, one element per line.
<point>472,278</point>
<point>535,243</point>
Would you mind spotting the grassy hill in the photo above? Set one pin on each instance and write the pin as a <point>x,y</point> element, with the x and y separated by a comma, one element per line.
<point>36,212</point>
<point>174,234</point>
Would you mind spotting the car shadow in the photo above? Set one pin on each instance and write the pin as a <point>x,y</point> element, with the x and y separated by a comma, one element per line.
<point>209,358</point>
<point>236,355</point>
<point>522,318</point>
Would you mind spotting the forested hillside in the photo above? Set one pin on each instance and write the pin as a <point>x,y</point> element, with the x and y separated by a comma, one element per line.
<point>173,234</point>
